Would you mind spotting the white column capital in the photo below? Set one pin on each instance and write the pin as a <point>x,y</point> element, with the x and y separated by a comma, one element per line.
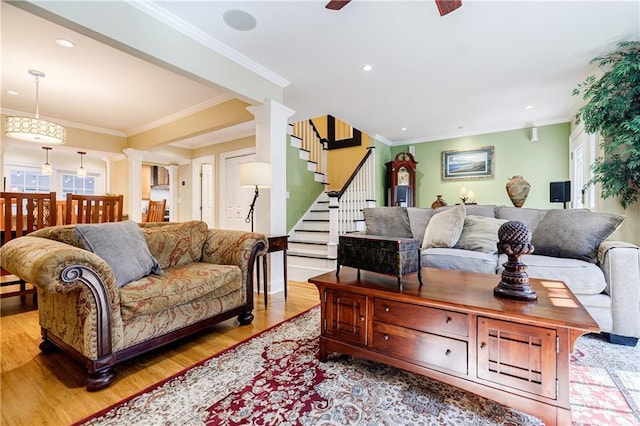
<point>133,154</point>
<point>270,109</point>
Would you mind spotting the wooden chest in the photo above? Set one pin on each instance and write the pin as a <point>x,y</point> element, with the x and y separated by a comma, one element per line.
<point>385,255</point>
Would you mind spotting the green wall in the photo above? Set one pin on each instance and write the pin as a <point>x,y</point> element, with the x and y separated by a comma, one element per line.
<point>383,155</point>
<point>540,162</point>
<point>303,189</point>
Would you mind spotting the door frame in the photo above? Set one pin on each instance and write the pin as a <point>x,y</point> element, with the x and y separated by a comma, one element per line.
<point>222,205</point>
<point>196,168</point>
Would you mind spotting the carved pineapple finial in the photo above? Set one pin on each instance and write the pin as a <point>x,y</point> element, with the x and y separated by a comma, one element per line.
<point>515,241</point>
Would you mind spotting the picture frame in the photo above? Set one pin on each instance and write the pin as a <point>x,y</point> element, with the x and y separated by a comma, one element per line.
<point>472,163</point>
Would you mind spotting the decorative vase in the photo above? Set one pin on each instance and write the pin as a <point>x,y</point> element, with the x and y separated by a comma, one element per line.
<point>518,190</point>
<point>439,202</point>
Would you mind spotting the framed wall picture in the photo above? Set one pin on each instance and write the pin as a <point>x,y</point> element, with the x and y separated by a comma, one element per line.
<point>472,163</point>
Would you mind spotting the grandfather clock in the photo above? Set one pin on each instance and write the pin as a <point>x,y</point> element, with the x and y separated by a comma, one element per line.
<point>401,181</point>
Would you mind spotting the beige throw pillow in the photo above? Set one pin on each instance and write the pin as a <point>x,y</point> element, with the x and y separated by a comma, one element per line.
<point>480,233</point>
<point>444,229</point>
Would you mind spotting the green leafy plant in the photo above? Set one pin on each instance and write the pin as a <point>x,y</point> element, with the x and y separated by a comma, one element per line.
<point>613,111</point>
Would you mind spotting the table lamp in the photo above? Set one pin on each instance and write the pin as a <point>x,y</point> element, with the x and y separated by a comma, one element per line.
<point>255,175</point>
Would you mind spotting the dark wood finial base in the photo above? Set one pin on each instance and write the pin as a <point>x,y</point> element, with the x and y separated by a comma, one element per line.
<point>515,241</point>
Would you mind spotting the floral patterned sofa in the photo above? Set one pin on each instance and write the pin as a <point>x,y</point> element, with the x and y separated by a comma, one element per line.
<point>206,277</point>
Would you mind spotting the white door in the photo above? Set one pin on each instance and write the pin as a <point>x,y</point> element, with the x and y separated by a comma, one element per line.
<point>583,148</point>
<point>207,196</point>
<point>237,200</point>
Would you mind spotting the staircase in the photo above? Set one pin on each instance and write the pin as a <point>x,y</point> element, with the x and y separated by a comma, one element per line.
<point>314,239</point>
<point>308,253</point>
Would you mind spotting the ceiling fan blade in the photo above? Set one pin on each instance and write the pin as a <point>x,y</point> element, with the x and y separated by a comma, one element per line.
<point>447,6</point>
<point>337,4</point>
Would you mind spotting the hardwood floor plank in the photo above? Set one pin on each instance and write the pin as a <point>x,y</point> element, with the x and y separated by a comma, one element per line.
<point>48,389</point>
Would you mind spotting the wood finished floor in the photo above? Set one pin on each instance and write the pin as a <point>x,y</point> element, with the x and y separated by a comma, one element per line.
<point>38,389</point>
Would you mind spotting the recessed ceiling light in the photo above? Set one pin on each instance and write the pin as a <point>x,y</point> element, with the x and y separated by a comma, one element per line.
<point>529,107</point>
<point>367,68</point>
<point>12,92</point>
<point>404,129</point>
<point>64,42</point>
<point>239,20</point>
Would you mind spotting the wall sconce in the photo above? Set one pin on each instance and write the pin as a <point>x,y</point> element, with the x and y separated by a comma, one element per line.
<point>82,172</point>
<point>47,170</point>
<point>534,134</point>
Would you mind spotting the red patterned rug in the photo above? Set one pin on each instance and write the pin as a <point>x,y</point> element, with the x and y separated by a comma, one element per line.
<point>274,378</point>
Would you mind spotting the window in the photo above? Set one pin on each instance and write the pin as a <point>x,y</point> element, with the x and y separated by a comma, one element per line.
<point>72,184</point>
<point>25,180</point>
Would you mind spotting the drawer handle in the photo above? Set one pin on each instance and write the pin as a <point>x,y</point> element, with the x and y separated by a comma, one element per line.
<point>447,352</point>
<point>483,345</point>
<point>387,309</point>
<point>449,320</point>
<point>361,319</point>
<point>385,337</point>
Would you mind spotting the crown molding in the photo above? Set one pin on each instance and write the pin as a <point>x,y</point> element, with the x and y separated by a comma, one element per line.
<point>161,14</point>
<point>181,114</point>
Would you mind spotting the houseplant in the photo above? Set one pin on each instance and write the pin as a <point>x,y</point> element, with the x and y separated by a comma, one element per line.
<point>612,110</point>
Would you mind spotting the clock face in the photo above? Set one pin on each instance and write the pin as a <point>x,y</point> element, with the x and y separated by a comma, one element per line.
<point>403,176</point>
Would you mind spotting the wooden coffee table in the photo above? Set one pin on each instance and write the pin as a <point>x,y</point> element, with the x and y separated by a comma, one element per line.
<point>455,330</point>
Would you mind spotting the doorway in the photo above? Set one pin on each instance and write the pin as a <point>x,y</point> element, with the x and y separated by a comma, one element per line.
<point>235,201</point>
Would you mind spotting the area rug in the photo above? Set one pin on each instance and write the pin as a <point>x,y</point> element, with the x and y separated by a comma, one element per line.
<point>274,378</point>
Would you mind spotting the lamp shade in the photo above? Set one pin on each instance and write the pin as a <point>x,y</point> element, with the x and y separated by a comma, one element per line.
<point>255,174</point>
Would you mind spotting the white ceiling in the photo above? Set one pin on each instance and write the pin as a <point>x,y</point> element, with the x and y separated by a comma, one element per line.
<point>472,71</point>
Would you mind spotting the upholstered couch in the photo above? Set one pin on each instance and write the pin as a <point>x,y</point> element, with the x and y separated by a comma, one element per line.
<point>186,277</point>
<point>570,245</point>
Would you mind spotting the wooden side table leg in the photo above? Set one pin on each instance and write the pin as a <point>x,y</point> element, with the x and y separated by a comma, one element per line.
<point>264,265</point>
<point>285,274</point>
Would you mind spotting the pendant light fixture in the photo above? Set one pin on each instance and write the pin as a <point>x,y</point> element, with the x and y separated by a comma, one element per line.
<point>34,129</point>
<point>47,170</point>
<point>82,172</point>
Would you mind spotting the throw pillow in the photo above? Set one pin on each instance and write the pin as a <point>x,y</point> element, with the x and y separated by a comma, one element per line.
<point>122,246</point>
<point>480,233</point>
<point>444,228</point>
<point>387,221</point>
<point>574,234</point>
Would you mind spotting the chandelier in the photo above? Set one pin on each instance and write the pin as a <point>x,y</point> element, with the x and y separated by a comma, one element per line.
<point>34,129</point>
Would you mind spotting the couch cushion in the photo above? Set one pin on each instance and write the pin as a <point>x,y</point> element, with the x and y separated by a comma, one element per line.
<point>444,228</point>
<point>530,217</point>
<point>177,286</point>
<point>387,221</point>
<point>580,276</point>
<point>418,220</point>
<point>122,246</point>
<point>462,260</point>
<point>574,234</point>
<point>175,244</point>
<point>480,233</point>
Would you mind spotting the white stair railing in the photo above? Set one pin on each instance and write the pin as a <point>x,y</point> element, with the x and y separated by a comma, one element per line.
<point>346,205</point>
<point>312,143</point>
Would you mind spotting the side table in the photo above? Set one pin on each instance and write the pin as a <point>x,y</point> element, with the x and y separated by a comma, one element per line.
<point>276,243</point>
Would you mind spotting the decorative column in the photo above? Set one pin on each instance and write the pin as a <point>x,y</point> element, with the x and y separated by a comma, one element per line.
<point>271,147</point>
<point>134,196</point>
<point>173,192</point>
<point>334,206</point>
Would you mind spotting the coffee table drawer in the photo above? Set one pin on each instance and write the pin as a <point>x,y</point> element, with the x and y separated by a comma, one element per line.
<point>430,320</point>
<point>420,348</point>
